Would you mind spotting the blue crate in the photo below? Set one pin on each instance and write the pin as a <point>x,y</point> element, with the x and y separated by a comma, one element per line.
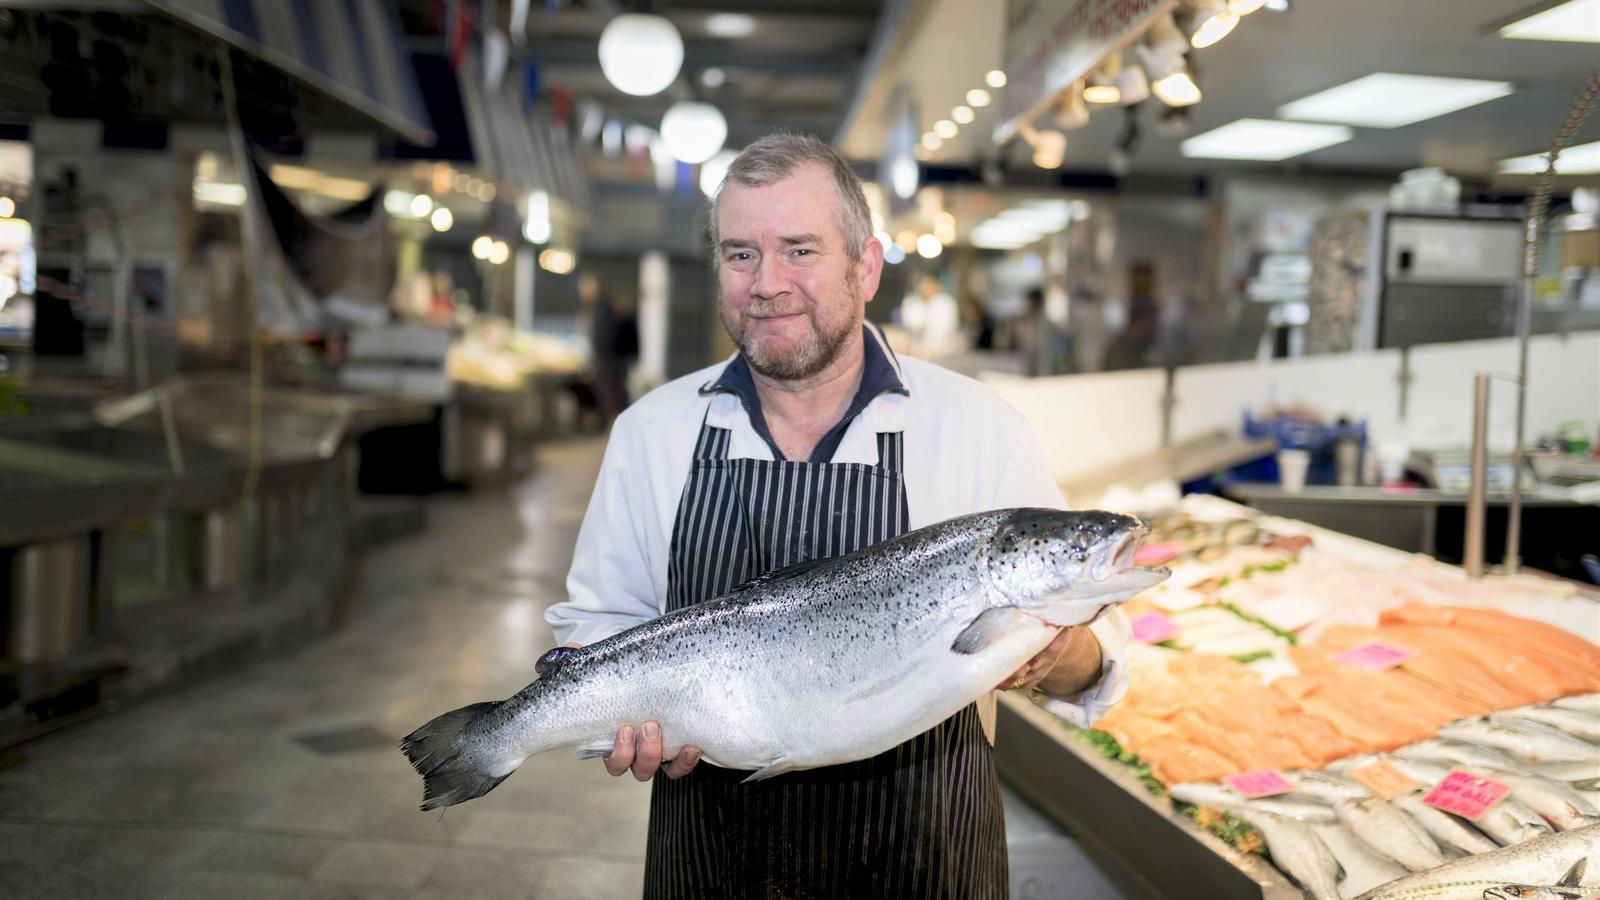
<point>1295,433</point>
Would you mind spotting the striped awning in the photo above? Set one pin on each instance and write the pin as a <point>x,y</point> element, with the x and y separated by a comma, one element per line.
<point>350,50</point>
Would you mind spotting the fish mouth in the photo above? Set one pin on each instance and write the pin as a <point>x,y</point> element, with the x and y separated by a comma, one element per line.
<point>1119,564</point>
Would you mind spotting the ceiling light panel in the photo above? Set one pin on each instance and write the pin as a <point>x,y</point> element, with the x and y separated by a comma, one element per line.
<point>730,25</point>
<point>1584,159</point>
<point>1390,100</point>
<point>1575,21</point>
<point>1263,139</point>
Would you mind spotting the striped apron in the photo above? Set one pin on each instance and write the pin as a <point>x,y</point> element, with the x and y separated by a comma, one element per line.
<point>921,820</point>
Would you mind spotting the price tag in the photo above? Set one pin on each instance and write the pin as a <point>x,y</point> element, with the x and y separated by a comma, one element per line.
<point>1376,656</point>
<point>1153,628</point>
<point>1263,783</point>
<point>1290,611</point>
<point>1154,554</point>
<point>1384,780</point>
<point>1467,795</point>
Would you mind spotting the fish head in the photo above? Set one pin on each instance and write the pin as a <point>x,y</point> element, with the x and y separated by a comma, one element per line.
<point>1065,566</point>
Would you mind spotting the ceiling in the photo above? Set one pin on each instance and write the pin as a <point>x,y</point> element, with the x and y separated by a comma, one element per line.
<point>1271,59</point>
<point>796,70</point>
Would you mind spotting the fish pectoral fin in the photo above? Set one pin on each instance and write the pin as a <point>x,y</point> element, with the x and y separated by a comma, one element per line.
<point>598,748</point>
<point>1574,875</point>
<point>988,627</point>
<point>777,767</point>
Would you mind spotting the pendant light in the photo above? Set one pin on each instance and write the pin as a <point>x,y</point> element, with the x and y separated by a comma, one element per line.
<point>640,54</point>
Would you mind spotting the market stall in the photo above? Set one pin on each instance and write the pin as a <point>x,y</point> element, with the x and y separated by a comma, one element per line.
<point>1308,698</point>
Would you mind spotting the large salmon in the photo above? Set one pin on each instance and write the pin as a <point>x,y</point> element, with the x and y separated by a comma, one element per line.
<point>821,663</point>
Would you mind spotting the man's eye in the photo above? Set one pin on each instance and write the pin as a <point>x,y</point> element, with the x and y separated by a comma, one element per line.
<point>801,251</point>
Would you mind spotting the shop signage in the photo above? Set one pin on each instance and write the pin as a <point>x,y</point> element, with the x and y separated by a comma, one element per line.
<point>1053,43</point>
<point>1467,795</point>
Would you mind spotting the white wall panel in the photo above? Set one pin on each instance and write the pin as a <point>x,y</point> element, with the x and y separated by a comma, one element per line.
<point>1089,422</point>
<point>1361,386</point>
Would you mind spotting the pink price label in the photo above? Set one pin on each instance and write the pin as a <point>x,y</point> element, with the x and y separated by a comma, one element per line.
<point>1465,794</point>
<point>1376,656</point>
<point>1264,783</point>
<point>1153,628</point>
<point>1150,554</point>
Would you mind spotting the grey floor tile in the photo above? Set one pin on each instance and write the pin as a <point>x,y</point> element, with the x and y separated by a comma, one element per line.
<point>397,865</point>
<point>310,812</point>
<point>209,885</point>
<point>572,879</point>
<point>346,890</point>
<point>471,874</point>
<point>532,830</point>
<point>45,843</point>
<point>168,853</point>
<point>271,854</point>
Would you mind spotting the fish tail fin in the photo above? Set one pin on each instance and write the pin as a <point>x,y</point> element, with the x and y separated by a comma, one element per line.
<point>450,775</point>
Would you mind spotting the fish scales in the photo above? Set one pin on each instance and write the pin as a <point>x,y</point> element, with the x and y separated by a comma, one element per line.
<point>818,664</point>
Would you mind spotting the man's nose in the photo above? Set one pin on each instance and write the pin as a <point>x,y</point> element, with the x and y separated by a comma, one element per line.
<point>770,279</point>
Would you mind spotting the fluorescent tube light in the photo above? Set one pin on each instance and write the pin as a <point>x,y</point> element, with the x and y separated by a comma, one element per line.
<point>1575,20</point>
<point>1583,159</point>
<point>1263,139</point>
<point>1389,100</point>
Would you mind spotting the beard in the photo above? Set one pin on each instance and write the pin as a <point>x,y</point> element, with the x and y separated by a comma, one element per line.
<point>815,352</point>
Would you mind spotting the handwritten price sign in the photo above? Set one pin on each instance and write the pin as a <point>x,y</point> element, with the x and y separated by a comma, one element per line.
<point>1467,795</point>
<point>1263,783</point>
<point>1383,779</point>
<point>1376,656</point>
<point>1153,628</point>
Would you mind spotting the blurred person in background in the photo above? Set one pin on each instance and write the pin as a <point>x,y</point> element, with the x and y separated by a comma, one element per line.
<point>932,318</point>
<point>613,344</point>
<point>1131,348</point>
<point>1042,343</point>
<point>814,440</point>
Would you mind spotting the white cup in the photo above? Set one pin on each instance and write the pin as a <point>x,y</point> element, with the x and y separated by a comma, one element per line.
<point>1292,466</point>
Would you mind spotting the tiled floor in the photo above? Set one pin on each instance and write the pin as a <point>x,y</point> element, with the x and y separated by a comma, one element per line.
<point>282,780</point>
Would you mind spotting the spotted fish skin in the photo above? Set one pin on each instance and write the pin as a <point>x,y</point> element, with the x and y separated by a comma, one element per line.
<point>818,664</point>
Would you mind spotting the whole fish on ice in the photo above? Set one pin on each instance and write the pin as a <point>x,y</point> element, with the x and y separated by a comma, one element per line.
<point>1567,858</point>
<point>818,664</point>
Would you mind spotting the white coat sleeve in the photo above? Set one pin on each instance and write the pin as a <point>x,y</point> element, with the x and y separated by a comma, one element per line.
<point>609,587</point>
<point>1026,481</point>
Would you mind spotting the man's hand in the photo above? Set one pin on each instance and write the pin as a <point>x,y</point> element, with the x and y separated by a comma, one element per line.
<point>639,750</point>
<point>1068,666</point>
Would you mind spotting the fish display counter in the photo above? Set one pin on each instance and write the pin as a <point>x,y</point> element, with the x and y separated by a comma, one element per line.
<point>1310,714</point>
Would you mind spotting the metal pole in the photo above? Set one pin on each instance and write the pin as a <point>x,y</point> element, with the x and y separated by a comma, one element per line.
<point>1472,553</point>
<point>1537,204</point>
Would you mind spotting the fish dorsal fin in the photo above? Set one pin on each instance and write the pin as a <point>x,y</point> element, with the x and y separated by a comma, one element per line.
<point>1574,875</point>
<point>768,579</point>
<point>552,658</point>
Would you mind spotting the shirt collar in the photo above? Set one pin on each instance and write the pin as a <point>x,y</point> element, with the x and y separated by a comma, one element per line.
<point>880,374</point>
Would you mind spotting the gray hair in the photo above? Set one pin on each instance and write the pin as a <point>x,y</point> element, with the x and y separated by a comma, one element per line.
<point>774,158</point>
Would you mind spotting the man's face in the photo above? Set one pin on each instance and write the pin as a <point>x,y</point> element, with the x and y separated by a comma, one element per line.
<point>787,291</point>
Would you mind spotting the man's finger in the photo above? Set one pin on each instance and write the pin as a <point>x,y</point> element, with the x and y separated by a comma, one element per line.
<point>647,752</point>
<point>621,752</point>
<point>679,765</point>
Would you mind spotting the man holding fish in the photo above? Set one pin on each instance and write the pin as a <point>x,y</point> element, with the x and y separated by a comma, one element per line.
<point>813,442</point>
